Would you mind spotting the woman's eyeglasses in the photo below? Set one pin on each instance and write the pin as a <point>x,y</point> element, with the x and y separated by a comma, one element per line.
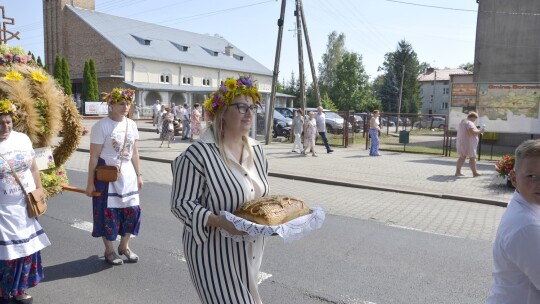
<point>242,107</point>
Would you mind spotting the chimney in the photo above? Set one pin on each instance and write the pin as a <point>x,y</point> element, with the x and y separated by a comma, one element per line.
<point>229,50</point>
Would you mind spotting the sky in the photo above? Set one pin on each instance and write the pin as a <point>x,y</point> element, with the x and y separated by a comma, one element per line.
<point>442,32</point>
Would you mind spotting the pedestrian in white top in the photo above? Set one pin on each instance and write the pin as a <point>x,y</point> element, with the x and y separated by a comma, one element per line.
<point>156,110</point>
<point>516,268</point>
<point>298,126</point>
<point>321,127</point>
<point>186,121</point>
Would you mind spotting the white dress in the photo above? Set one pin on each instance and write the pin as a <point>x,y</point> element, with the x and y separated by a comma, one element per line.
<point>124,192</point>
<point>222,270</point>
<point>20,236</point>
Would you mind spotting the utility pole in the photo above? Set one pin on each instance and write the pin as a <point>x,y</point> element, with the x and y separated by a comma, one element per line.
<point>400,95</point>
<point>433,98</point>
<point>308,45</point>
<point>270,110</point>
<point>297,13</point>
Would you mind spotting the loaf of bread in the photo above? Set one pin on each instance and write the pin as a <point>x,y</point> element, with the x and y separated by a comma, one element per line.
<point>272,210</point>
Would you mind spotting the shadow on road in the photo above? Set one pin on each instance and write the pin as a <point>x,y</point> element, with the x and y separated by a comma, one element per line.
<point>74,269</point>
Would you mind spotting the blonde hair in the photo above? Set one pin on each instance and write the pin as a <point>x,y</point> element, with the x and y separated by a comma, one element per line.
<point>528,148</point>
<point>217,129</point>
<point>473,114</point>
<point>375,111</point>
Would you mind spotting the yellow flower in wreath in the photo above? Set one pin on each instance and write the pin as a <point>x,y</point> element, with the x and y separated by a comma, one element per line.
<point>38,77</point>
<point>14,76</point>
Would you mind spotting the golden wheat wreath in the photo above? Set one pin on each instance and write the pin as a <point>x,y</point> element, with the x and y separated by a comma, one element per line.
<point>45,110</point>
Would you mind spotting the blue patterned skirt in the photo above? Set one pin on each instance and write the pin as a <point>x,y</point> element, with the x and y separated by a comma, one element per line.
<point>20,274</point>
<point>111,222</point>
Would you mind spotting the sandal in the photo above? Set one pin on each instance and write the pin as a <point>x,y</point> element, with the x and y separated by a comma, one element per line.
<point>131,256</point>
<point>27,300</point>
<point>113,259</point>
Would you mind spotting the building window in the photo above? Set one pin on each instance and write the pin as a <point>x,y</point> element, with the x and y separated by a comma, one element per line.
<point>186,80</point>
<point>446,91</point>
<point>444,105</point>
<point>206,82</point>
<point>164,78</point>
<point>446,82</point>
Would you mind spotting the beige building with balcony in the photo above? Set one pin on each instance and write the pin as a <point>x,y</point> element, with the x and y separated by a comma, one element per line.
<point>159,62</point>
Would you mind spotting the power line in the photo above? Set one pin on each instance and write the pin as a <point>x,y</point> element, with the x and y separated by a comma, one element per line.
<point>433,6</point>
<point>466,10</point>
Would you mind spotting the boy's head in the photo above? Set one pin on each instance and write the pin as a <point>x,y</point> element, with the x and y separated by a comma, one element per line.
<point>526,173</point>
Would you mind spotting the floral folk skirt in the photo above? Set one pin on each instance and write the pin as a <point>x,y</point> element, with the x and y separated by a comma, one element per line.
<point>20,274</point>
<point>111,222</point>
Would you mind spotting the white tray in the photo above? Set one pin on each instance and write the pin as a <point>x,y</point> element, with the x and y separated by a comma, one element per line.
<point>290,231</point>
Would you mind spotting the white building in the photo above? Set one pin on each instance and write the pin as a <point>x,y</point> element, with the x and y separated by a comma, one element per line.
<point>435,90</point>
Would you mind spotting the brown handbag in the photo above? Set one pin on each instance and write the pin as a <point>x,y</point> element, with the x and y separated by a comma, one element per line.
<point>107,173</point>
<point>111,173</point>
<point>36,201</point>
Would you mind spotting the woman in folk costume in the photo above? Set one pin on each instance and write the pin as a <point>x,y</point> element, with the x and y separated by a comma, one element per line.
<point>222,171</point>
<point>113,142</point>
<point>21,237</point>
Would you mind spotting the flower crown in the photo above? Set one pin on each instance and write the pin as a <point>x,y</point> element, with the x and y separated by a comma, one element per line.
<point>228,91</point>
<point>7,107</point>
<point>119,94</point>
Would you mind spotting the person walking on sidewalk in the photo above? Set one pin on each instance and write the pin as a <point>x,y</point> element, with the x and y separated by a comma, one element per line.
<point>466,143</point>
<point>220,172</point>
<point>374,129</point>
<point>297,128</point>
<point>156,110</point>
<point>321,127</point>
<point>167,128</point>
<point>113,142</point>
<point>186,122</point>
<point>196,121</point>
<point>160,119</point>
<point>516,271</point>
<point>310,135</point>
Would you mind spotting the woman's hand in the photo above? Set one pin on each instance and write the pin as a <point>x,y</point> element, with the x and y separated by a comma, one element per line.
<point>140,182</point>
<point>90,189</point>
<point>220,221</point>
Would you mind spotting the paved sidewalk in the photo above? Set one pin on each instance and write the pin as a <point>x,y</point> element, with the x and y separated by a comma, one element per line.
<point>427,175</point>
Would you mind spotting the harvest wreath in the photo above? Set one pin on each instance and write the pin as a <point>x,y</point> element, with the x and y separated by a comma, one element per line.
<point>44,111</point>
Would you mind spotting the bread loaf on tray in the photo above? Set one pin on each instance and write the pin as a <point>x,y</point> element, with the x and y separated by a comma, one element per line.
<point>272,210</point>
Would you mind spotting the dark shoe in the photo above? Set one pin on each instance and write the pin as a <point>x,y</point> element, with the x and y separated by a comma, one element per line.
<point>131,256</point>
<point>113,259</point>
<point>329,151</point>
<point>5,301</point>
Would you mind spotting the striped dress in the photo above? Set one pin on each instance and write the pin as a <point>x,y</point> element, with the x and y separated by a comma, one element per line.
<point>222,270</point>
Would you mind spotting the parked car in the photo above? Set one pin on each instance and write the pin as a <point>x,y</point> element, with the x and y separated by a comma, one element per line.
<point>286,112</point>
<point>357,122</point>
<point>334,121</point>
<point>431,122</point>
<point>402,120</point>
<point>280,127</point>
<point>386,123</point>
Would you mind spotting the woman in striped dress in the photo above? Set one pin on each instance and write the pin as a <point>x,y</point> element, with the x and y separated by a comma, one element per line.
<point>222,171</point>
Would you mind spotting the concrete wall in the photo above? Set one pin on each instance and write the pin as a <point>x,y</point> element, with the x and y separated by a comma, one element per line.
<point>507,45</point>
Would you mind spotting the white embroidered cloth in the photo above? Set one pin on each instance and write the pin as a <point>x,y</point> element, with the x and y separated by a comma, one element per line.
<point>290,231</point>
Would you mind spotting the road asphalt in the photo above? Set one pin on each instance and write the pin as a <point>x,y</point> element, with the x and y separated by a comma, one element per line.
<point>399,172</point>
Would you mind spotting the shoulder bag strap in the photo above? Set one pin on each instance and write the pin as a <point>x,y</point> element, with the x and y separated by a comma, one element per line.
<point>14,174</point>
<point>124,145</point>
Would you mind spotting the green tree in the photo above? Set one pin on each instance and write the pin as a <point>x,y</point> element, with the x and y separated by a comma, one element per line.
<point>404,58</point>
<point>94,92</point>
<point>335,48</point>
<point>467,66</point>
<point>351,85</point>
<point>66,78</point>
<point>327,103</point>
<point>58,73</point>
<point>39,62</point>
<point>87,82</point>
